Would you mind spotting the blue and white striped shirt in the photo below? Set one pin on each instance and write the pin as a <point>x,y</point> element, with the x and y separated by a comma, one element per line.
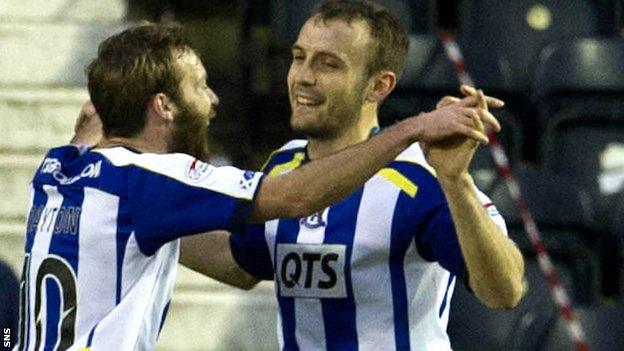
<point>375,271</point>
<point>102,242</point>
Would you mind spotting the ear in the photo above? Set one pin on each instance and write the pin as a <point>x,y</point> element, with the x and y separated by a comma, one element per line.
<point>161,107</point>
<point>382,85</point>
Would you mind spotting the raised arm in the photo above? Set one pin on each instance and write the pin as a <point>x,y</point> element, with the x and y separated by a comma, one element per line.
<point>494,263</point>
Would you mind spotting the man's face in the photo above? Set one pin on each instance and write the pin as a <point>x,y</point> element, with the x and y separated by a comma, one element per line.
<point>196,107</point>
<point>327,77</point>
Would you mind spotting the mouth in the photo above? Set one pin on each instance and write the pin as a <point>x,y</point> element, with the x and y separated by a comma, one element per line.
<point>308,101</point>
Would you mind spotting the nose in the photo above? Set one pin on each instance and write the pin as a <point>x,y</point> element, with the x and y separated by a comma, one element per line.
<point>304,74</point>
<point>214,99</point>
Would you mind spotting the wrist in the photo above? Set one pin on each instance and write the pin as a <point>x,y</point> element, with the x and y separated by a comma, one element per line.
<point>414,126</point>
<point>463,179</point>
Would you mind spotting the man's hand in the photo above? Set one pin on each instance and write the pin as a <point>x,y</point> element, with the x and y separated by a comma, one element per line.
<point>88,127</point>
<point>456,117</point>
<point>452,156</point>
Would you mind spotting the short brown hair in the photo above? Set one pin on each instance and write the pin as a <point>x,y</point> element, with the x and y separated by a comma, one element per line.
<point>389,37</point>
<point>130,68</point>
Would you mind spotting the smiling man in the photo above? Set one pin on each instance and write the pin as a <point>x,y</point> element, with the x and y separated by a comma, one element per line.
<point>376,270</point>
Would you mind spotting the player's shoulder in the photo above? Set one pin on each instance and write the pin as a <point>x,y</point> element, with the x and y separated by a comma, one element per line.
<point>288,157</point>
<point>65,165</point>
<point>178,166</point>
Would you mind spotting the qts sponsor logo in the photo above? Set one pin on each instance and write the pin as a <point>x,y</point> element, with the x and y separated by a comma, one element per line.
<point>311,270</point>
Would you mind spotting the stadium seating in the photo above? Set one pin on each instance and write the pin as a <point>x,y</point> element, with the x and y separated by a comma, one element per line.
<point>563,213</point>
<point>520,29</point>
<point>603,327</point>
<point>474,327</point>
<point>579,90</point>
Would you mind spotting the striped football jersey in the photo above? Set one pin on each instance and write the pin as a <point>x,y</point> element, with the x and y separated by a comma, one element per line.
<point>102,242</point>
<point>375,271</point>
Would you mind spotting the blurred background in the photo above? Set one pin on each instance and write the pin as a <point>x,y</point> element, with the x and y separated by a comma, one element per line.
<point>559,65</point>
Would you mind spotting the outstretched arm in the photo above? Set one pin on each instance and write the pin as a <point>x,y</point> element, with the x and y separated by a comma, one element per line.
<point>211,255</point>
<point>320,183</point>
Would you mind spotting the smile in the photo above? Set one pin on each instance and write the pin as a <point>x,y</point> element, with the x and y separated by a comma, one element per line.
<point>305,101</point>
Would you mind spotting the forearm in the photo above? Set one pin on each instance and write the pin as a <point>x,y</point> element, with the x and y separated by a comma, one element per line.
<point>494,263</point>
<point>210,254</point>
<point>325,181</point>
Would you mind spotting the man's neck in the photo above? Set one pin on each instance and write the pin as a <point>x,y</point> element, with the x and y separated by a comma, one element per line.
<point>360,132</point>
<point>141,143</point>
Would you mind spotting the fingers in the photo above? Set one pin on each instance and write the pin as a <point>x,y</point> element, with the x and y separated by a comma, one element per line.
<point>482,103</point>
<point>482,117</point>
<point>447,100</point>
<point>473,133</point>
<point>468,91</point>
<point>88,108</point>
<point>489,119</point>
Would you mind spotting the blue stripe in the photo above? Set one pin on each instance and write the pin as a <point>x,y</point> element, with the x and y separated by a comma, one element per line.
<point>91,334</point>
<point>287,232</point>
<point>401,236</point>
<point>164,316</point>
<point>64,240</point>
<point>445,299</point>
<point>339,314</point>
<point>53,312</point>
<point>122,236</point>
<point>40,199</point>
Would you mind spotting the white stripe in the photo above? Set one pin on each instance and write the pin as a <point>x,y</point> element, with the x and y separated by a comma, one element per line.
<point>226,180</point>
<point>280,331</point>
<point>97,258</point>
<point>270,234</point>
<point>310,334</point>
<point>40,249</point>
<point>119,330</point>
<point>429,281</point>
<point>561,299</point>
<point>370,273</point>
<point>160,295</point>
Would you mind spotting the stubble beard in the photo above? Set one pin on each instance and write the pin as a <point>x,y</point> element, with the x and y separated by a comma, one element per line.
<point>330,122</point>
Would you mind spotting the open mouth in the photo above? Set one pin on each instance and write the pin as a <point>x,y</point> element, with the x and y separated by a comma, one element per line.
<point>307,101</point>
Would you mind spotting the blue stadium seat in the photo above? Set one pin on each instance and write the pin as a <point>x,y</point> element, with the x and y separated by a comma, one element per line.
<point>580,94</point>
<point>579,89</point>
<point>521,28</point>
<point>474,327</point>
<point>564,215</point>
<point>581,66</point>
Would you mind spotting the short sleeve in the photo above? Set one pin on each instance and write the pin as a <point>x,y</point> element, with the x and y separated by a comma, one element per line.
<point>438,240</point>
<point>170,196</point>
<point>251,252</point>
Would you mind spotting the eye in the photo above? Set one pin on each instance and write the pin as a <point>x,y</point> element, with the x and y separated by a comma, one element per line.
<point>329,63</point>
<point>297,57</point>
